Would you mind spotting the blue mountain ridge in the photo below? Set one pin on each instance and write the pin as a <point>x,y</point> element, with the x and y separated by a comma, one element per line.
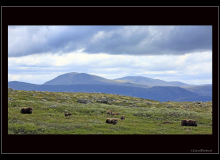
<point>136,86</point>
<point>158,93</point>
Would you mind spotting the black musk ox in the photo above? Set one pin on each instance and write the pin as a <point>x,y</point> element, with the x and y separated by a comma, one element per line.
<point>27,110</point>
<point>122,117</point>
<point>67,114</point>
<point>190,122</point>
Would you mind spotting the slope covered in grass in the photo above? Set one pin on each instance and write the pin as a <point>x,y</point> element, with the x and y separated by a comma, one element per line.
<point>142,116</point>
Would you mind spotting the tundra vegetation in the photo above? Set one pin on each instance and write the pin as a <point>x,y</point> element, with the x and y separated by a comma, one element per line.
<point>87,114</point>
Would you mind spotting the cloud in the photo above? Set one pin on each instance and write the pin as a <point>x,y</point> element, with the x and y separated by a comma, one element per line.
<point>113,40</point>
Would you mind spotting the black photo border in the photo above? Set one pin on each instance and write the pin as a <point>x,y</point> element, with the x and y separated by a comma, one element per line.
<point>108,15</point>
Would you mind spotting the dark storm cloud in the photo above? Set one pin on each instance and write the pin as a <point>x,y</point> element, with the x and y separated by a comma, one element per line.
<point>178,40</point>
<point>185,39</point>
<point>26,40</point>
<point>130,40</point>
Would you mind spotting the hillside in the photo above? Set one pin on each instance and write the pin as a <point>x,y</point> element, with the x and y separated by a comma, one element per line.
<point>158,93</point>
<point>89,114</point>
<point>203,90</point>
<point>151,81</point>
<point>198,98</point>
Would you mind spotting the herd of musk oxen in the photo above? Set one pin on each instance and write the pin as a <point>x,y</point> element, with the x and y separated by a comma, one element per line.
<point>114,121</point>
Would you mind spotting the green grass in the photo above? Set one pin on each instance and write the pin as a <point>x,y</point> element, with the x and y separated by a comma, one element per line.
<point>140,116</point>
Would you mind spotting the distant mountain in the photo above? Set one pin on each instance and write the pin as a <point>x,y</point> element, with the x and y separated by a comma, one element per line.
<point>158,93</point>
<point>83,78</point>
<point>203,90</point>
<point>134,81</point>
<point>135,86</point>
<point>170,93</point>
<point>177,83</point>
<point>198,98</point>
<point>78,78</point>
<point>152,82</point>
<point>22,85</point>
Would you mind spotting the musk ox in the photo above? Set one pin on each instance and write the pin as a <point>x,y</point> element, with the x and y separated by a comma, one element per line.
<point>27,110</point>
<point>112,121</point>
<point>190,122</point>
<point>109,112</point>
<point>122,117</point>
<point>108,120</point>
<point>67,114</point>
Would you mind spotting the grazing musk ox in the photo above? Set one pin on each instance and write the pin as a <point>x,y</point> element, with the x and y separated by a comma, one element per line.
<point>67,114</point>
<point>112,121</point>
<point>190,122</point>
<point>109,112</point>
<point>27,110</point>
<point>122,117</point>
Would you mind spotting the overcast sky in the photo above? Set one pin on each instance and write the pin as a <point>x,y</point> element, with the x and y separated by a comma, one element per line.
<point>37,54</point>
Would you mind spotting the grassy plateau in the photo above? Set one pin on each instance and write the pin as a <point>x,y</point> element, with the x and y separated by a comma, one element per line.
<point>142,116</point>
